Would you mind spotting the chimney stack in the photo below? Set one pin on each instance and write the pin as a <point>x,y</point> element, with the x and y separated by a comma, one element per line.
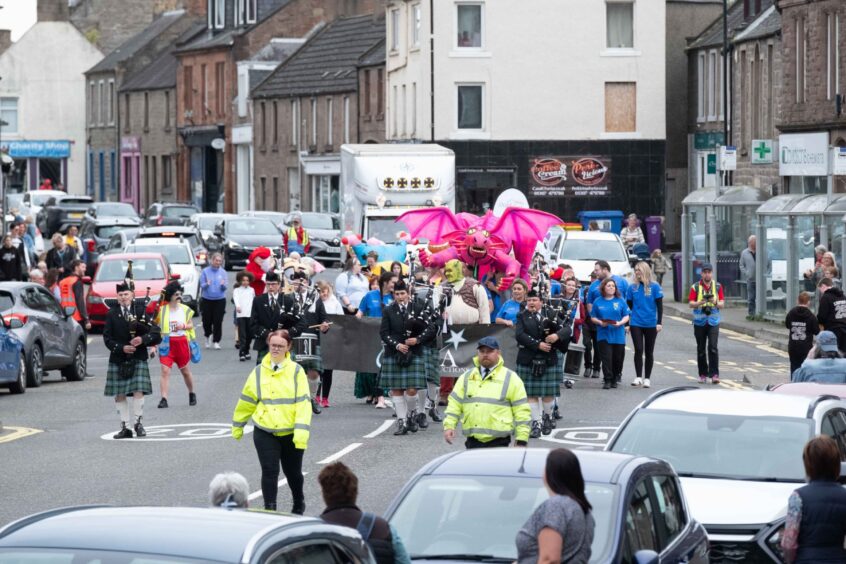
<point>196,8</point>
<point>5,40</point>
<point>53,11</point>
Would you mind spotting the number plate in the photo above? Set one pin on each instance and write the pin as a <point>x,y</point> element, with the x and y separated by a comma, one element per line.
<point>75,215</point>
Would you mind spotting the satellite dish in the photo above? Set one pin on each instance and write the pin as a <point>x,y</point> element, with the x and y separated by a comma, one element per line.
<point>218,144</point>
<point>511,198</point>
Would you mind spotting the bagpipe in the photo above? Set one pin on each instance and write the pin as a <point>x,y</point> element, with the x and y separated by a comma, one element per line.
<point>420,314</point>
<point>556,313</point>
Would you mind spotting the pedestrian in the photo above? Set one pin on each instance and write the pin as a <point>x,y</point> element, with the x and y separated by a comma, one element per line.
<point>296,237</point>
<point>12,265</point>
<point>593,362</point>
<point>397,268</point>
<point>177,328</point>
<point>332,307</point>
<point>373,304</point>
<point>339,487</point>
<point>706,299</point>
<point>275,402</point>
<point>825,260</point>
<point>127,334</point>
<point>834,274</point>
<point>561,528</point>
<point>601,271</point>
<point>645,299</point>
<point>403,362</point>
<point>72,294</point>
<point>259,263</point>
<point>314,315</point>
<point>631,234</point>
<point>510,309</point>
<point>60,256</point>
<point>803,326</point>
<point>825,362</point>
<point>537,362</point>
<point>831,311</point>
<point>72,239</point>
<point>747,273</point>
<point>229,490</point>
<point>36,276</point>
<point>816,512</point>
<point>610,315</point>
<point>660,265</point>
<point>243,296</point>
<point>490,402</point>
<point>371,263</point>
<point>51,282</point>
<point>272,311</point>
<point>351,285</point>
<point>46,184</point>
<point>213,283</point>
<point>593,225</point>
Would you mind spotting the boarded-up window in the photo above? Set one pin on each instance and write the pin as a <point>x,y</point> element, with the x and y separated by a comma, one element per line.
<point>620,106</point>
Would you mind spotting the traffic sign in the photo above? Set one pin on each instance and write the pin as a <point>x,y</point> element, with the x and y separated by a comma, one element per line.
<point>727,157</point>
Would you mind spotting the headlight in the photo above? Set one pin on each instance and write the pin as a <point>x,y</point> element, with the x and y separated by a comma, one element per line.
<point>233,245</point>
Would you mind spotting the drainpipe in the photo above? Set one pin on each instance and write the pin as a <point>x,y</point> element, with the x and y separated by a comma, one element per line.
<point>432,69</point>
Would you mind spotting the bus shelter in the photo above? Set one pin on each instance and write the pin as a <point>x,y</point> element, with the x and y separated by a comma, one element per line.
<point>716,225</point>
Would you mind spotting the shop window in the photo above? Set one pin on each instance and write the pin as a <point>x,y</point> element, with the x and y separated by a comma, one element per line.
<point>470,106</point>
<point>9,114</point>
<point>469,19</point>
<point>620,107</point>
<point>619,19</point>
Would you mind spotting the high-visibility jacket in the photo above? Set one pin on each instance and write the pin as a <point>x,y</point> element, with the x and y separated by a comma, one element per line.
<point>292,240</point>
<point>277,401</point>
<point>67,296</point>
<point>494,407</point>
<point>164,320</point>
<point>699,317</point>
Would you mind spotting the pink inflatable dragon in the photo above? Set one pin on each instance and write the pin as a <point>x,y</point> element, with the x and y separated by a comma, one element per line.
<point>485,242</point>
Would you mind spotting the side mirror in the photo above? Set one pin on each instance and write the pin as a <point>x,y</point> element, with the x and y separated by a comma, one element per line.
<point>13,323</point>
<point>69,310</point>
<point>175,276</point>
<point>86,280</point>
<point>646,557</point>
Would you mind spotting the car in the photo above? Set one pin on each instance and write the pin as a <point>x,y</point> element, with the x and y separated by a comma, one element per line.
<point>812,389</point>
<point>185,232</point>
<point>118,242</point>
<point>324,233</point>
<point>101,210</point>
<point>167,535</point>
<point>240,236</point>
<point>62,212</point>
<point>581,250</point>
<point>738,454</point>
<point>12,357</point>
<point>33,200</point>
<point>169,213</point>
<point>96,233</point>
<point>51,338</point>
<point>468,507</point>
<point>150,270</point>
<point>181,261</point>
<point>205,223</point>
<point>277,218</point>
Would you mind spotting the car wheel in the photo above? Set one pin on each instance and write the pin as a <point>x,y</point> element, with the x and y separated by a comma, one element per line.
<point>19,385</point>
<point>76,371</point>
<point>35,367</point>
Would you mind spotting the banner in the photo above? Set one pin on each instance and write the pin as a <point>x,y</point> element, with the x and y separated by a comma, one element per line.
<point>570,176</point>
<point>37,149</point>
<point>355,345</point>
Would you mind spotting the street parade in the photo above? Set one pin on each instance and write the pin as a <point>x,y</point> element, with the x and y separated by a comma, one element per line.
<point>286,282</point>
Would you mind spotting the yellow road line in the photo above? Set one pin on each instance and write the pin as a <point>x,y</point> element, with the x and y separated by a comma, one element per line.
<point>17,433</point>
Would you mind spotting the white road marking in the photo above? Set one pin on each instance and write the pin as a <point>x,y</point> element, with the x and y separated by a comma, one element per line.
<point>340,453</point>
<point>257,494</point>
<point>382,428</point>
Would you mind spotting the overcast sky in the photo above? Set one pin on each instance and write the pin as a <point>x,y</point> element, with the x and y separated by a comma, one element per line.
<point>17,15</point>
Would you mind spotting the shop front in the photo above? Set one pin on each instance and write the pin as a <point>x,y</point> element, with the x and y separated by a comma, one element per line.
<point>36,161</point>
<point>204,146</point>
<point>323,175</point>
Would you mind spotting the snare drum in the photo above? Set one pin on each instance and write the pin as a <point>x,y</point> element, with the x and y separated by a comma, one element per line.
<point>305,347</point>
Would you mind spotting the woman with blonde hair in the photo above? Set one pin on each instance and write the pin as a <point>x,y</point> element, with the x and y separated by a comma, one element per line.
<point>645,298</point>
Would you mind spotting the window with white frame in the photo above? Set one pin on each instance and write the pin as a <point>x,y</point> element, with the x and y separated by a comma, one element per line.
<point>346,119</point>
<point>216,10</point>
<point>101,90</point>
<point>92,103</point>
<point>832,54</point>
<point>9,115</point>
<point>394,104</point>
<point>718,86</point>
<point>701,87</point>
<point>470,98</point>
<point>313,121</point>
<point>252,11</point>
<point>469,25</point>
<point>712,81</point>
<point>330,117</point>
<point>413,109</point>
<point>395,30</point>
<point>245,12</point>
<point>404,111</point>
<point>110,109</point>
<point>416,22</point>
<point>295,123</point>
<point>619,21</point>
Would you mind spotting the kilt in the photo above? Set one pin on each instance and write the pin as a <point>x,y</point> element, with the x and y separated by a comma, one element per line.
<point>310,363</point>
<point>547,385</point>
<point>396,377</point>
<point>365,385</point>
<point>433,372</point>
<point>140,381</point>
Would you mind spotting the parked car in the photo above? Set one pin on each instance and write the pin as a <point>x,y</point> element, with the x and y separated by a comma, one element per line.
<point>168,535</point>
<point>278,218</point>
<point>239,236</point>
<point>34,200</point>
<point>810,389</point>
<point>468,507</point>
<point>61,212</point>
<point>181,261</point>
<point>102,210</point>
<point>52,339</point>
<point>170,213</point>
<point>188,233</point>
<point>12,356</point>
<point>96,233</point>
<point>581,250</point>
<point>150,270</point>
<point>739,457</point>
<point>324,233</point>
<point>205,223</point>
<point>118,242</point>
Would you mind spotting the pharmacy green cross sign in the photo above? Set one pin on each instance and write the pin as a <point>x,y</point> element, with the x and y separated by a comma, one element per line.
<point>762,151</point>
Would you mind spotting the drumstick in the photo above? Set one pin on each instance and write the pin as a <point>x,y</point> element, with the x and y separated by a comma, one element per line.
<point>318,325</point>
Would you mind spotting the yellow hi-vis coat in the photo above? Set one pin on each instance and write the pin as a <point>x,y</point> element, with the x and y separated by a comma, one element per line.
<point>277,401</point>
<point>163,319</point>
<point>490,408</point>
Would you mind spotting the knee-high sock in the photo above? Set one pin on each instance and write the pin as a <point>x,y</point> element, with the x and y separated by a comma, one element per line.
<point>411,401</point>
<point>123,410</point>
<point>534,405</point>
<point>138,407</point>
<point>547,407</point>
<point>433,394</point>
<point>400,406</point>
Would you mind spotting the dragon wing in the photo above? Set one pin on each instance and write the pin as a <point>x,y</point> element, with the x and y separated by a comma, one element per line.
<point>523,228</point>
<point>432,223</point>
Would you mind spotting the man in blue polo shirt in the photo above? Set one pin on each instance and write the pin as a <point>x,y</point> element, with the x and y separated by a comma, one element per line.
<point>603,270</point>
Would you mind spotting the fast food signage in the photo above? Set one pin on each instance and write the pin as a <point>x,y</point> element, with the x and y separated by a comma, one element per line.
<point>570,176</point>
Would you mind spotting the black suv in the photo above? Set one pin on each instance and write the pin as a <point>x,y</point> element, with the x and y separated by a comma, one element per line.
<point>169,213</point>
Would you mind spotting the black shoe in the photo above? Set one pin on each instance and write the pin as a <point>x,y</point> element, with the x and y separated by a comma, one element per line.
<point>433,413</point>
<point>588,372</point>
<point>192,398</point>
<point>546,426</point>
<point>411,422</point>
<point>139,429</point>
<point>242,358</point>
<point>124,433</point>
<point>270,506</point>
<point>401,428</point>
<point>619,378</point>
<point>556,415</point>
<point>298,508</point>
<point>596,373</point>
<point>613,383</point>
<point>536,430</point>
<point>314,407</point>
<point>606,385</point>
<point>422,422</point>
<point>163,403</point>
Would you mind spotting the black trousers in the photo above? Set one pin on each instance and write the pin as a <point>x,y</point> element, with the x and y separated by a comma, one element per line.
<point>325,384</point>
<point>707,354</point>
<point>245,336</point>
<point>213,312</point>
<point>643,339</point>
<point>473,442</point>
<point>612,360</point>
<point>797,357</point>
<point>272,451</point>
<point>592,356</point>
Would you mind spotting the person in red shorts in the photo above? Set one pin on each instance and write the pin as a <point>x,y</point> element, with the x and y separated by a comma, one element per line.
<point>174,319</point>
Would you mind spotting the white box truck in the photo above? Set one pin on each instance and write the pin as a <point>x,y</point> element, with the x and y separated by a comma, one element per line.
<point>381,181</point>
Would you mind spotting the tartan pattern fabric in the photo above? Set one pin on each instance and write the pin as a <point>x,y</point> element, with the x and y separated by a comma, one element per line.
<point>547,385</point>
<point>396,377</point>
<point>310,364</point>
<point>433,372</point>
<point>140,381</point>
<point>365,384</point>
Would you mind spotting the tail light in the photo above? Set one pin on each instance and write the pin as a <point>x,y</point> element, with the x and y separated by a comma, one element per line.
<point>9,316</point>
<point>201,257</point>
<point>91,245</point>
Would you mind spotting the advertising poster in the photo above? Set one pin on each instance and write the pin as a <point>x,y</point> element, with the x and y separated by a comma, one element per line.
<point>569,176</point>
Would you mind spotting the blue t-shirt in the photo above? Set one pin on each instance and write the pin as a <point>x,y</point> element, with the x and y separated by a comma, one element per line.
<point>593,291</point>
<point>644,310</point>
<point>555,288</point>
<point>613,309</point>
<point>372,303</point>
<point>509,310</point>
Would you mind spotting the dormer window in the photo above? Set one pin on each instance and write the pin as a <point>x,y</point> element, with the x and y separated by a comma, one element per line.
<point>217,13</point>
<point>751,8</point>
<point>245,12</point>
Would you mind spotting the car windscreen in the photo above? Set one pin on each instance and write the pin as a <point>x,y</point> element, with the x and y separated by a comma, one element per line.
<point>7,302</point>
<point>178,211</point>
<point>208,223</point>
<point>720,446</point>
<point>40,199</point>
<point>251,227</point>
<point>175,254</point>
<point>386,229</point>
<point>441,515</point>
<point>15,200</point>
<point>142,269</point>
<point>593,250</point>
<point>106,231</point>
<point>116,210</point>
<point>74,202</point>
<point>321,221</point>
<point>74,555</point>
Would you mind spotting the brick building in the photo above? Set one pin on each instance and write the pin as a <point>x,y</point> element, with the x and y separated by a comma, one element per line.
<point>206,84</point>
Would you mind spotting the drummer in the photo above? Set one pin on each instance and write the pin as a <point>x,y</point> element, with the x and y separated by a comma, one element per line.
<point>307,345</point>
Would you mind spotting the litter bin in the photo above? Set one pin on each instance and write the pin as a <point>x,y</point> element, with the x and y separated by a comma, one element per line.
<point>677,275</point>
<point>653,232</point>
<point>608,220</point>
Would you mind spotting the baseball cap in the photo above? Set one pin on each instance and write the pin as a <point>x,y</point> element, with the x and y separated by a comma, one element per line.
<point>707,266</point>
<point>489,342</point>
<point>827,341</point>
